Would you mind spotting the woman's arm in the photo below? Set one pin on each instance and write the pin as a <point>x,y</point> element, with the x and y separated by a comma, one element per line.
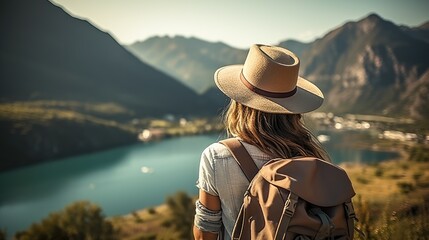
<point>212,203</point>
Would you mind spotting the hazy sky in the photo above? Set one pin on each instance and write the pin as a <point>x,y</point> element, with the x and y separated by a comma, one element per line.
<point>237,23</point>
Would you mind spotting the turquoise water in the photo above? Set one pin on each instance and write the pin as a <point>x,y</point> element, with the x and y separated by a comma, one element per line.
<point>120,180</point>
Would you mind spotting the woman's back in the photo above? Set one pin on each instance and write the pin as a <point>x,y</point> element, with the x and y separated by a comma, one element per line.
<point>221,176</point>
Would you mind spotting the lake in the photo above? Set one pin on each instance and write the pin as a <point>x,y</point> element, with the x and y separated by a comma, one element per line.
<point>120,180</point>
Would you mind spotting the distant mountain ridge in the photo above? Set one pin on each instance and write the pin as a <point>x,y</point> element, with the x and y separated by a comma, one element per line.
<point>295,46</point>
<point>421,32</point>
<point>187,59</point>
<point>56,70</point>
<point>370,66</point>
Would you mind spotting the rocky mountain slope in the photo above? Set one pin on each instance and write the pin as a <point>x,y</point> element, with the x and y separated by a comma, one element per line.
<point>370,66</point>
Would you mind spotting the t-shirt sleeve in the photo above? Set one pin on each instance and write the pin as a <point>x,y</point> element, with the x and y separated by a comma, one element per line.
<point>206,177</point>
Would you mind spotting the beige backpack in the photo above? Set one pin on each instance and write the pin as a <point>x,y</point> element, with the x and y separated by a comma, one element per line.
<point>301,198</point>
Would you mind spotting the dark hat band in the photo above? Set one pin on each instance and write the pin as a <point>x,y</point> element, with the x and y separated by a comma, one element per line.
<point>264,92</point>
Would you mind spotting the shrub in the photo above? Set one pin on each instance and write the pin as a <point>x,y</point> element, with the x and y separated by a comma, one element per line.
<point>2,234</point>
<point>145,236</point>
<point>379,172</point>
<point>151,210</point>
<point>81,220</point>
<point>392,222</point>
<point>419,153</point>
<point>137,217</point>
<point>405,187</point>
<point>362,180</point>
<point>363,212</point>
<point>405,166</point>
<point>395,176</point>
<point>417,176</point>
<point>182,214</point>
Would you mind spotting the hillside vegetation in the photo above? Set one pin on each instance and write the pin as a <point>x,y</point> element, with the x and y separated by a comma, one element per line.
<point>36,131</point>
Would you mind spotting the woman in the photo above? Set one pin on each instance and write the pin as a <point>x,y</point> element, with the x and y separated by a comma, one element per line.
<point>267,99</point>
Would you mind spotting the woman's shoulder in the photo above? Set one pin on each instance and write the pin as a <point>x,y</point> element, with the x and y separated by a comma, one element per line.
<point>219,151</point>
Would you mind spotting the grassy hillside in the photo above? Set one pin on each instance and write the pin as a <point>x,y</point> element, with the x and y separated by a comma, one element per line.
<point>392,199</point>
<point>35,131</point>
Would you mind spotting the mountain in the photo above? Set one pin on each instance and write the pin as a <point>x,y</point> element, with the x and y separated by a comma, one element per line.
<point>296,47</point>
<point>68,88</point>
<point>421,32</point>
<point>190,60</point>
<point>47,54</point>
<point>370,66</point>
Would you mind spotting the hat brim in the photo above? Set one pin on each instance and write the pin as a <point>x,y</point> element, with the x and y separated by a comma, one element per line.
<point>307,98</point>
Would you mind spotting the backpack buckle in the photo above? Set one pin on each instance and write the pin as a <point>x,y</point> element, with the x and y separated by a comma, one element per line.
<point>290,204</point>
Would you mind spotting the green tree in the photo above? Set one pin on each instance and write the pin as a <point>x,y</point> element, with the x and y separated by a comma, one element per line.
<point>182,214</point>
<point>79,221</point>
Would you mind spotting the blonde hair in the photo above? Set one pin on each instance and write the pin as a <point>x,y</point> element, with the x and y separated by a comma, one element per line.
<point>279,135</point>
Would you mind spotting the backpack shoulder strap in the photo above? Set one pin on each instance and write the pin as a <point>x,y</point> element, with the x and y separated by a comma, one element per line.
<point>242,157</point>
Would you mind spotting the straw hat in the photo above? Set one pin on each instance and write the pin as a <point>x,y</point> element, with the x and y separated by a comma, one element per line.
<point>268,81</point>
